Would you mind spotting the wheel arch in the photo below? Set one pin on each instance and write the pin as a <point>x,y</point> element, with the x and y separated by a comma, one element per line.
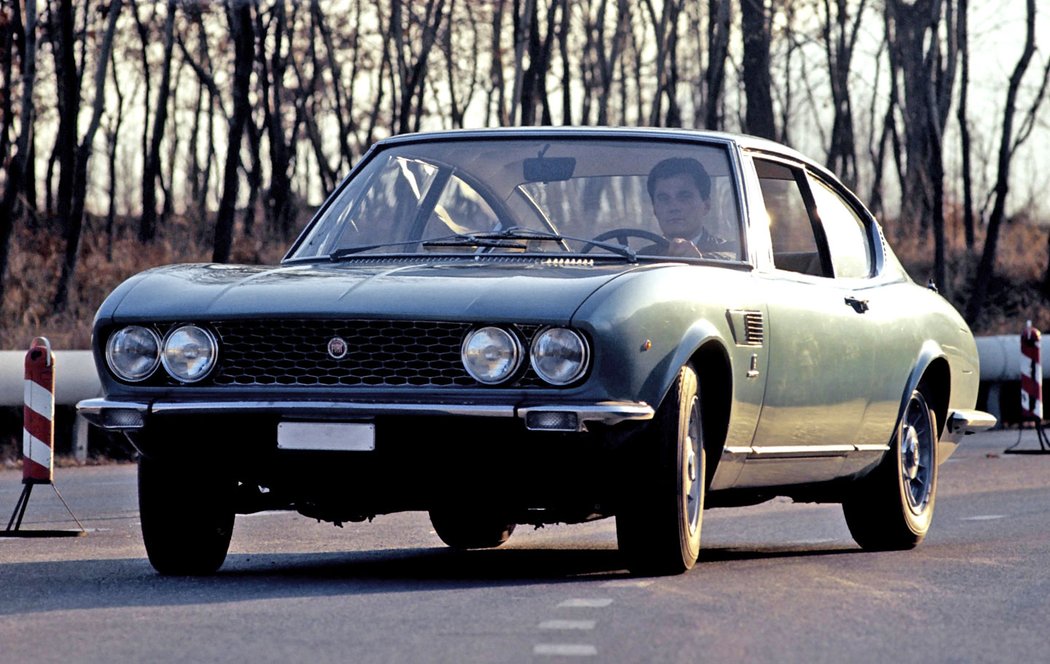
<point>715,377</point>
<point>932,374</point>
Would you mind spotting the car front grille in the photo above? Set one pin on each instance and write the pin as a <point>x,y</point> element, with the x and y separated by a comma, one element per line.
<point>294,353</point>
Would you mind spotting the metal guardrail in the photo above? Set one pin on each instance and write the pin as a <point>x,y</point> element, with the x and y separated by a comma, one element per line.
<point>76,377</point>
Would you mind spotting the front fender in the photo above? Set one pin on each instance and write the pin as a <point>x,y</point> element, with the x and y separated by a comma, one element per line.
<point>664,374</point>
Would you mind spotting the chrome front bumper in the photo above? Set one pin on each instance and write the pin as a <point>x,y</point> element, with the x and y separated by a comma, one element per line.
<point>120,415</point>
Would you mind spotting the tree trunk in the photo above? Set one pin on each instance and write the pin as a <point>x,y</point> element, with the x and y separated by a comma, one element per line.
<point>79,193</point>
<point>68,109</point>
<point>840,37</point>
<point>755,21</point>
<point>151,170</point>
<point>17,168</point>
<point>927,72</point>
<point>969,224</point>
<point>717,54</point>
<point>112,133</point>
<point>1007,145</point>
<point>243,36</point>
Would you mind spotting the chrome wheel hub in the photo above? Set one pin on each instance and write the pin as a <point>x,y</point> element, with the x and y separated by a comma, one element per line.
<point>917,439</point>
<point>693,478</point>
<point>910,453</point>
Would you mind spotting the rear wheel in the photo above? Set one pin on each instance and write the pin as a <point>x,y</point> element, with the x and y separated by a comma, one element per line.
<point>466,529</point>
<point>658,524</point>
<point>187,516</point>
<point>893,507</point>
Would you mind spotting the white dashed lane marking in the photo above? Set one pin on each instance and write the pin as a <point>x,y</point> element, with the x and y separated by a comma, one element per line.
<point>984,517</point>
<point>568,624</point>
<point>585,603</point>
<point>564,650</point>
<point>571,625</point>
<point>628,583</point>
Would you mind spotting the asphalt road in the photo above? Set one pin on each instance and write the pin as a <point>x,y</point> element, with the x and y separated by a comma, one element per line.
<point>777,582</point>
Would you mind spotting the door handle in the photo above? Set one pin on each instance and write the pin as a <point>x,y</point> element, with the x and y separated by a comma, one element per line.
<point>860,306</point>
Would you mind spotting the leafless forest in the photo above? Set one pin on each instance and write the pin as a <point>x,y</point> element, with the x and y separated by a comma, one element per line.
<point>136,131</point>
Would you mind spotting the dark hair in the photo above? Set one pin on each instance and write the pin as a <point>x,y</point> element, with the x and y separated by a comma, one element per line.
<point>673,166</point>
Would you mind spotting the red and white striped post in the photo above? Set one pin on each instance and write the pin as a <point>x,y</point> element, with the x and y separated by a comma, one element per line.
<point>38,429</point>
<point>1031,375</point>
<point>38,437</point>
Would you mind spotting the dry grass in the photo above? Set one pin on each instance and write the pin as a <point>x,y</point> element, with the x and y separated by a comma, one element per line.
<point>36,255</point>
<point>35,265</point>
<point>1015,293</point>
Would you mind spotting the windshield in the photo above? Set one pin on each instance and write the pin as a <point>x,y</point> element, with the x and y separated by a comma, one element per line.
<point>538,195</point>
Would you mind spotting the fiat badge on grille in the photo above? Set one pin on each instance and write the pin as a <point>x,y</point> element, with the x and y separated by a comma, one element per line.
<point>337,348</point>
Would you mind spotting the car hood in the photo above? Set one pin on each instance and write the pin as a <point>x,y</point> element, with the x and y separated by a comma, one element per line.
<point>542,291</point>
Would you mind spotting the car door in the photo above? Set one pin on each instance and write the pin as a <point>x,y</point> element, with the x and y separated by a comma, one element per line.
<point>821,358</point>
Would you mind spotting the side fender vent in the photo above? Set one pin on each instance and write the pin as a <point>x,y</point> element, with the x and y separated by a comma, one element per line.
<point>748,327</point>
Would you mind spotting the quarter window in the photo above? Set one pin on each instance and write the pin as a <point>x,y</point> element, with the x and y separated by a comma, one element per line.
<point>795,246</point>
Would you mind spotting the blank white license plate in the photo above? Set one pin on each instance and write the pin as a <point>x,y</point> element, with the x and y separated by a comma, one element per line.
<point>326,436</point>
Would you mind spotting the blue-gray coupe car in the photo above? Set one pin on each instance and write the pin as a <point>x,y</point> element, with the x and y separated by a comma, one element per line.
<point>534,326</point>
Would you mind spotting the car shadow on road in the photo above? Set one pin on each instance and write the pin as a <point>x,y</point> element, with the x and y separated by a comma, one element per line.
<point>33,587</point>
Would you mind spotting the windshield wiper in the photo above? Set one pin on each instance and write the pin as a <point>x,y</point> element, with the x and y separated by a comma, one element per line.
<point>474,240</point>
<point>517,233</point>
<point>349,251</point>
<point>496,239</point>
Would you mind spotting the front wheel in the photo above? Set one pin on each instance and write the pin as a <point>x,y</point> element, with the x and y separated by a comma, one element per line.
<point>658,524</point>
<point>893,507</point>
<point>187,516</point>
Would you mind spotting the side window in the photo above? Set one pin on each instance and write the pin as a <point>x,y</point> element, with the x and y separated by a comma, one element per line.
<point>795,246</point>
<point>845,231</point>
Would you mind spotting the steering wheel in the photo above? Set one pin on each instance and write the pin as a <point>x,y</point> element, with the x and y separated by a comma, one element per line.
<point>622,234</point>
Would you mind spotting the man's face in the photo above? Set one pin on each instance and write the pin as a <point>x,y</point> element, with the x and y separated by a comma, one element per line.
<point>678,207</point>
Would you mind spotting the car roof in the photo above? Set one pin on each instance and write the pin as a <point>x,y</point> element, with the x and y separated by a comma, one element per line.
<point>743,140</point>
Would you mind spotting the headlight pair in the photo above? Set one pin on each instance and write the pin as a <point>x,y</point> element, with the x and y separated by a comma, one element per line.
<point>492,355</point>
<point>187,353</point>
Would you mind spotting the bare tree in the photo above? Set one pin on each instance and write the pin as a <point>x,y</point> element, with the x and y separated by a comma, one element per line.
<point>718,12</point>
<point>412,65</point>
<point>665,26</point>
<point>243,36</point>
<point>83,154</point>
<point>112,131</point>
<point>1008,144</point>
<point>18,161</point>
<point>840,34</point>
<point>63,39</point>
<point>962,115</point>
<point>151,169</point>
<point>756,16</point>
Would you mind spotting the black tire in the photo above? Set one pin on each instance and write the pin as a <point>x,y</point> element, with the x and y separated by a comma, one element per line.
<point>893,507</point>
<point>187,516</point>
<point>658,525</point>
<point>468,529</point>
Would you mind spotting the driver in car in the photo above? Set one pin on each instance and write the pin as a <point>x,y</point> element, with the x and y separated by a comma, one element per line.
<point>680,191</point>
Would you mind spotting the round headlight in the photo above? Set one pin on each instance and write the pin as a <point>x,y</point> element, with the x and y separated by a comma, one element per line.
<point>559,356</point>
<point>491,355</point>
<point>133,353</point>
<point>189,353</point>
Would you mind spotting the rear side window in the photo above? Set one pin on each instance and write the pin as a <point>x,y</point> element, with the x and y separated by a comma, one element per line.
<point>846,233</point>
